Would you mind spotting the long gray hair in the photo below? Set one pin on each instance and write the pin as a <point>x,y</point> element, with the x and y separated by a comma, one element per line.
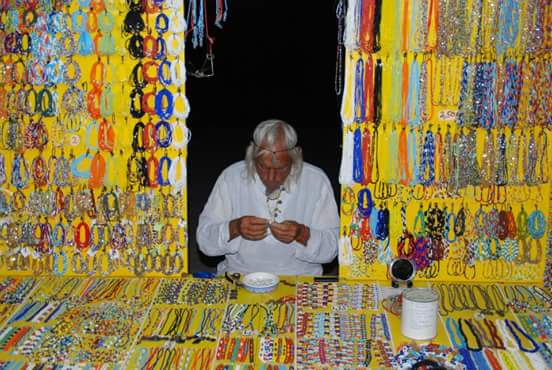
<point>267,132</point>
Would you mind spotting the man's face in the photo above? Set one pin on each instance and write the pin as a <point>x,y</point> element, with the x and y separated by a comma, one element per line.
<point>273,169</point>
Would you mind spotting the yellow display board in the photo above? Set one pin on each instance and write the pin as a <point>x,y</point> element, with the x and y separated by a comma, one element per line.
<point>94,138</point>
<point>446,126</point>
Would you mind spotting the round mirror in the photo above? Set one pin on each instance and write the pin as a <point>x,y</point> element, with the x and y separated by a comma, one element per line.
<point>402,270</point>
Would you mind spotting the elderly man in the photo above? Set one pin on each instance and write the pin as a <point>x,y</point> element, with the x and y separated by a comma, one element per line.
<point>271,212</point>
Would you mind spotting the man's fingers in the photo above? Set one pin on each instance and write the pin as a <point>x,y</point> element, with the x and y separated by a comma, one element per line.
<point>256,231</point>
<point>278,227</point>
<point>255,235</point>
<point>258,221</point>
<point>253,225</point>
<point>256,228</point>
<point>283,234</point>
<point>281,228</point>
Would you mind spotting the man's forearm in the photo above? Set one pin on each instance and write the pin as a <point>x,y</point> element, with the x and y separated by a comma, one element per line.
<point>234,229</point>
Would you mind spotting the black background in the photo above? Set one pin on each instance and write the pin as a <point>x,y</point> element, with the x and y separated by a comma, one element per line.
<point>273,59</point>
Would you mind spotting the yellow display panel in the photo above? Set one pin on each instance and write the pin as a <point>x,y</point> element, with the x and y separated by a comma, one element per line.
<point>435,172</point>
<point>94,139</point>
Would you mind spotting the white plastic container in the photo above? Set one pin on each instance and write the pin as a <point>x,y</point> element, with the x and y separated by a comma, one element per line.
<point>420,307</point>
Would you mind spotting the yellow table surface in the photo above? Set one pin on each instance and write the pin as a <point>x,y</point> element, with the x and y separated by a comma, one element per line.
<point>140,293</point>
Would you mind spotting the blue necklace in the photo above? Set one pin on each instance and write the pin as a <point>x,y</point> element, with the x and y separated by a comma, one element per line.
<point>164,104</point>
<point>166,140</point>
<point>483,96</point>
<point>85,174</point>
<point>360,93</point>
<point>358,175</point>
<point>373,220</point>
<point>464,91</point>
<point>511,92</point>
<point>18,179</point>
<point>450,322</point>
<point>508,26</point>
<point>427,177</point>
<point>164,162</point>
<point>536,224</point>
<point>480,360</point>
<point>511,324</point>
<point>364,196</point>
<point>162,75</point>
<point>382,227</point>
<point>467,360</point>
<point>63,270</point>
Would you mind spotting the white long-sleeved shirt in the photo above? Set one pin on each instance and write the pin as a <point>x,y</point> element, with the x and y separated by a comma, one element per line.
<point>310,201</point>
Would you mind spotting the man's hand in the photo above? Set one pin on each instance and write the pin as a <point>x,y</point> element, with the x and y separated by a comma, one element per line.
<point>288,231</point>
<point>248,227</point>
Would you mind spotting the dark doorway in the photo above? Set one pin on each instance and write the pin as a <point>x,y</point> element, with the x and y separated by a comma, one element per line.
<point>273,59</point>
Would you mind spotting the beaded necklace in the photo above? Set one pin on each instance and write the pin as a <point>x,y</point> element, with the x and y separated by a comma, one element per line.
<point>508,26</point>
<point>426,93</point>
<point>488,161</point>
<point>338,79</point>
<point>542,168</point>
<point>360,93</point>
<point>441,174</point>
<point>352,25</point>
<point>484,100</point>
<point>367,156</point>
<point>513,327</point>
<point>530,92</point>
<point>427,161</point>
<point>465,338</point>
<point>347,158</point>
<point>20,173</point>
<point>413,106</point>
<point>536,224</point>
<point>377,97</point>
<point>358,175</point>
<point>530,160</point>
<point>347,100</point>
<point>393,157</point>
<point>512,153</point>
<point>396,105</point>
<point>510,93</point>
<point>413,165</point>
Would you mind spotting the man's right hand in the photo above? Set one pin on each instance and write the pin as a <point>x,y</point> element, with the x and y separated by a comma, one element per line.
<point>248,227</point>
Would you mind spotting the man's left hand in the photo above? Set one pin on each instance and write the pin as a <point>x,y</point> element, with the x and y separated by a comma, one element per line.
<point>287,231</point>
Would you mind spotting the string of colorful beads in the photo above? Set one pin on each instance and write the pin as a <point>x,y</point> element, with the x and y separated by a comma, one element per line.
<point>337,296</point>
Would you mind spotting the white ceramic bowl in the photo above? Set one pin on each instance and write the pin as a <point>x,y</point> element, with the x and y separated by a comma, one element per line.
<point>260,282</point>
